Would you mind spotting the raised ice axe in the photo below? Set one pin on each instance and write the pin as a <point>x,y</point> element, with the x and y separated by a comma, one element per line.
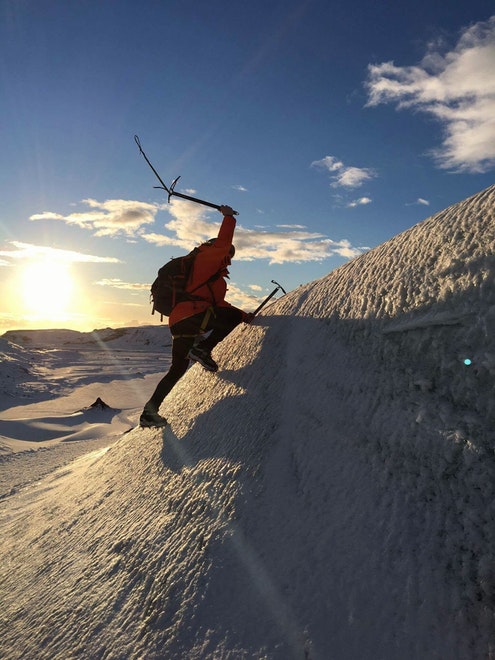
<point>171,188</point>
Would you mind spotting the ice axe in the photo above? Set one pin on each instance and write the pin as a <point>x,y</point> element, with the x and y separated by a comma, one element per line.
<point>278,288</point>
<point>171,188</point>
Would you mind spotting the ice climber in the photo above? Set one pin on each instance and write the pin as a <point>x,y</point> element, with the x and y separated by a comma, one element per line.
<point>208,312</point>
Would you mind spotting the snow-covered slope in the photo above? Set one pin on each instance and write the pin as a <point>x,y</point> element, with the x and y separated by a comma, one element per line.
<point>14,363</point>
<point>27,355</point>
<point>18,365</point>
<point>328,494</point>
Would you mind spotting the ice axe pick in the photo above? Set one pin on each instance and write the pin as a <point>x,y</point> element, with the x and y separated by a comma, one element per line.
<point>279,287</point>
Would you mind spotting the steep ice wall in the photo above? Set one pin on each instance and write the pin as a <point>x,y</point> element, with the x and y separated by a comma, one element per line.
<point>417,314</point>
<point>421,308</point>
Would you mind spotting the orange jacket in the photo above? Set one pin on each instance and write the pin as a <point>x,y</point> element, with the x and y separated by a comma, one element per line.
<point>210,260</point>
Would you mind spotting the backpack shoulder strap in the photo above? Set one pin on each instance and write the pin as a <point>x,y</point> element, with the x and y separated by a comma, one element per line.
<point>212,278</point>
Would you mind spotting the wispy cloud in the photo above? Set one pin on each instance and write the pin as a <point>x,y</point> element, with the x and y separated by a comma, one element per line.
<point>191,225</point>
<point>418,202</point>
<point>109,218</point>
<point>240,298</point>
<point>236,295</point>
<point>457,88</point>
<point>28,251</point>
<point>240,188</point>
<point>361,201</point>
<point>343,175</point>
<point>115,283</point>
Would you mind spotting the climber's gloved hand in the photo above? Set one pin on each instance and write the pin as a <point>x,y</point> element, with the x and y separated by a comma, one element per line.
<point>227,210</point>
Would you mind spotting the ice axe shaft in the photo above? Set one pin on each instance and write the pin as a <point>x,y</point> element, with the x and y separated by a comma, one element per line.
<point>278,288</point>
<point>171,192</point>
<point>171,189</point>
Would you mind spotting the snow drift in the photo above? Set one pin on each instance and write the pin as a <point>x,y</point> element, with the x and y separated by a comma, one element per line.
<point>328,494</point>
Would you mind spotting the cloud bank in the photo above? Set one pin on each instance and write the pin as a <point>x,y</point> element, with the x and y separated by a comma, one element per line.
<point>191,225</point>
<point>109,218</point>
<point>457,88</point>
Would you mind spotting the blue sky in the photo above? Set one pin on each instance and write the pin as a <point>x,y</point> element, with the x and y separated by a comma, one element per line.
<point>330,127</point>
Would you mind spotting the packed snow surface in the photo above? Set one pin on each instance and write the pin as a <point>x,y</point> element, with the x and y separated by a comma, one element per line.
<point>329,493</point>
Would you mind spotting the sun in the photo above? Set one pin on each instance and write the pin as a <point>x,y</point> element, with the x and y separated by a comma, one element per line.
<point>47,288</point>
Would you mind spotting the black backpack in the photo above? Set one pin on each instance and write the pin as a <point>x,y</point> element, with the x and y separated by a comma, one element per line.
<point>169,287</point>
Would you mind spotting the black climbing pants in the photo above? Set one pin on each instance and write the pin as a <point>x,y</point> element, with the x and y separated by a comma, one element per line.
<point>220,321</point>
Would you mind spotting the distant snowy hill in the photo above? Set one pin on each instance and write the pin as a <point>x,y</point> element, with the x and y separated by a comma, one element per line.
<point>329,493</point>
<point>138,337</point>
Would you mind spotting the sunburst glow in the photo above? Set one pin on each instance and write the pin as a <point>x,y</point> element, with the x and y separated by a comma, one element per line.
<point>47,288</point>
